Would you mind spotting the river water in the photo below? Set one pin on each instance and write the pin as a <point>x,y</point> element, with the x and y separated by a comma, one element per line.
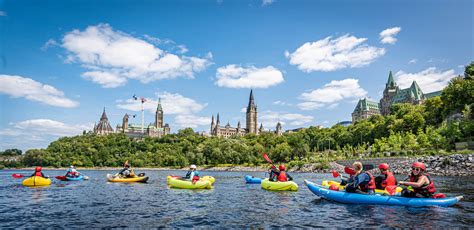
<point>231,203</point>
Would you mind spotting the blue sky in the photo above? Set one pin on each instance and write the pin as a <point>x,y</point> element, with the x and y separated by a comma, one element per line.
<point>308,62</point>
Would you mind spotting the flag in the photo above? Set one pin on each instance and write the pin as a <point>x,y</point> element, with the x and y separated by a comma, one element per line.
<point>134,115</point>
<point>135,97</point>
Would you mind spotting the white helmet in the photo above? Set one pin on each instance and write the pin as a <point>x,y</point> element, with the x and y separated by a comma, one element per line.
<point>72,166</point>
<point>192,167</point>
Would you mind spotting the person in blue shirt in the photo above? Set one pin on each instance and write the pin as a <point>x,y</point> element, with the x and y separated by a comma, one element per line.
<point>192,174</point>
<point>362,182</point>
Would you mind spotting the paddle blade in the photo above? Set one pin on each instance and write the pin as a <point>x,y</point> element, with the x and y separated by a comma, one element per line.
<point>267,159</point>
<point>349,170</point>
<point>16,175</point>
<point>335,174</point>
<point>61,177</point>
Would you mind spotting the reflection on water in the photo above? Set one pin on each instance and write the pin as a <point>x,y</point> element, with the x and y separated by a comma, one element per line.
<point>231,203</point>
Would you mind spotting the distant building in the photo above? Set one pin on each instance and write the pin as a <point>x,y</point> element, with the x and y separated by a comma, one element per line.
<point>365,108</point>
<point>344,123</point>
<point>157,129</point>
<point>392,94</point>
<point>250,124</point>
<point>103,127</point>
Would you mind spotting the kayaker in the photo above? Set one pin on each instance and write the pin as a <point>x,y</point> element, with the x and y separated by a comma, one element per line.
<point>72,172</point>
<point>38,172</point>
<point>273,173</point>
<point>283,176</point>
<point>126,171</point>
<point>420,181</point>
<point>192,174</point>
<point>362,182</point>
<point>386,178</point>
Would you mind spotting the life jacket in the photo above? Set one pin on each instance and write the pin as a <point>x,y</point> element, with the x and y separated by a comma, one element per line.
<point>429,188</point>
<point>282,177</point>
<point>38,173</point>
<point>390,180</point>
<point>370,185</point>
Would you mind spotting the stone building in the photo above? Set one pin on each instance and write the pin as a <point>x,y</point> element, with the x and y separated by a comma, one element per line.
<point>103,127</point>
<point>364,109</point>
<point>156,129</point>
<point>251,123</point>
<point>392,94</point>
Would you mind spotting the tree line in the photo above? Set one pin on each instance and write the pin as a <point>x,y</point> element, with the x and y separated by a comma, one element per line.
<point>431,128</point>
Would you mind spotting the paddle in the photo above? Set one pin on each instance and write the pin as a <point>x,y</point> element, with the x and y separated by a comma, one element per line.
<point>61,177</point>
<point>265,156</point>
<point>16,175</point>
<point>335,174</point>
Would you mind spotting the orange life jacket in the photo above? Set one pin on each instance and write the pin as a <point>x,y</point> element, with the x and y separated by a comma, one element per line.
<point>389,180</point>
<point>429,188</point>
<point>282,177</point>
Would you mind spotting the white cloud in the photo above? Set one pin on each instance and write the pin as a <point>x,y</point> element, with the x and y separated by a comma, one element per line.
<point>243,110</point>
<point>271,118</point>
<point>388,35</point>
<point>413,61</point>
<point>332,54</point>
<point>102,50</point>
<point>331,93</point>
<point>429,80</point>
<point>267,2</point>
<point>172,103</point>
<point>3,14</point>
<point>233,76</point>
<point>191,121</point>
<point>37,133</point>
<point>17,86</point>
<point>282,103</point>
<point>50,43</point>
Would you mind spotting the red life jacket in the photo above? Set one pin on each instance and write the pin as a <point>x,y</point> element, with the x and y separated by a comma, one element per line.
<point>282,177</point>
<point>38,173</point>
<point>429,188</point>
<point>370,185</point>
<point>389,180</point>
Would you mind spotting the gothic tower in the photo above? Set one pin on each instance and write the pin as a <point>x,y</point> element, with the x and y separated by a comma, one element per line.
<point>212,125</point>
<point>125,123</point>
<point>389,92</point>
<point>251,119</point>
<point>159,115</point>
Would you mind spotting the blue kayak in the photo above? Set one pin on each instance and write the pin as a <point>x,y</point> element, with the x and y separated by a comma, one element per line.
<point>80,177</point>
<point>253,180</point>
<point>354,198</point>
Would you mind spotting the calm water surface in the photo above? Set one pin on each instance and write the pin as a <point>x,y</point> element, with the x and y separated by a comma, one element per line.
<point>231,203</point>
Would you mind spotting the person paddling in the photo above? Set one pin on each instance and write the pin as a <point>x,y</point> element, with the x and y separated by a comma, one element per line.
<point>362,182</point>
<point>38,172</point>
<point>126,171</point>
<point>273,173</point>
<point>279,175</point>
<point>386,178</point>
<point>420,181</point>
<point>72,172</point>
<point>192,174</point>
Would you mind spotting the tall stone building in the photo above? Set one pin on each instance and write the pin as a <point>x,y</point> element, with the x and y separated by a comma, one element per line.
<point>392,94</point>
<point>156,129</point>
<point>251,123</point>
<point>103,127</point>
<point>365,108</point>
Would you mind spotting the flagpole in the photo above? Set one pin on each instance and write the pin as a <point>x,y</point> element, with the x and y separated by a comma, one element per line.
<point>143,117</point>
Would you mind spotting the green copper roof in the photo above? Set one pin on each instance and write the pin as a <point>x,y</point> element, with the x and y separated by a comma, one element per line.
<point>158,108</point>
<point>390,83</point>
<point>433,94</point>
<point>366,104</point>
<point>404,95</point>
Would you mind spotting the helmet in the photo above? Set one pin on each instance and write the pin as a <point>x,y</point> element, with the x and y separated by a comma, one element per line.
<point>72,166</point>
<point>384,166</point>
<point>274,167</point>
<point>334,187</point>
<point>349,170</point>
<point>419,165</point>
<point>192,167</point>
<point>38,168</point>
<point>281,167</point>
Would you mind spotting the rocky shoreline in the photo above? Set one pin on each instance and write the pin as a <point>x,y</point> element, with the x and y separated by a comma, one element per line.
<point>449,165</point>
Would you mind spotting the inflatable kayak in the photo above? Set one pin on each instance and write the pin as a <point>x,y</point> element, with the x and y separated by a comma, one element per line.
<point>208,178</point>
<point>253,180</point>
<point>176,182</point>
<point>354,198</point>
<point>326,184</point>
<point>113,178</point>
<point>36,181</point>
<point>279,186</point>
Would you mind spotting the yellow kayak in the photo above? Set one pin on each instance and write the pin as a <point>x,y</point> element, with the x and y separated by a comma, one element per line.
<point>279,186</point>
<point>341,187</point>
<point>36,181</point>
<point>113,178</point>
<point>208,178</point>
<point>175,182</point>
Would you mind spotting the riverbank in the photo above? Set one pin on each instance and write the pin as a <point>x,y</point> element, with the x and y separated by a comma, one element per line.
<point>446,165</point>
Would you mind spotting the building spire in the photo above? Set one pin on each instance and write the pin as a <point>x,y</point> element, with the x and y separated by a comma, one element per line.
<point>251,102</point>
<point>104,116</point>
<point>159,108</point>
<point>390,83</point>
<point>218,121</point>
